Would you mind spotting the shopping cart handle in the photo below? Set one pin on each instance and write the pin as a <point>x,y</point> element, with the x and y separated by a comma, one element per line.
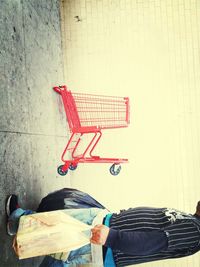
<point>59,88</point>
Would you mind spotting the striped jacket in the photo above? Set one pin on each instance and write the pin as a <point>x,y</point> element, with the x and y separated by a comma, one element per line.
<point>182,230</point>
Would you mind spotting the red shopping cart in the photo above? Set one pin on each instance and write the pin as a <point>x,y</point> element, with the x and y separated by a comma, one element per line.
<point>89,114</point>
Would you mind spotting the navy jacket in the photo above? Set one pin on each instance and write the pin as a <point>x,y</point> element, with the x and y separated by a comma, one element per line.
<point>147,234</point>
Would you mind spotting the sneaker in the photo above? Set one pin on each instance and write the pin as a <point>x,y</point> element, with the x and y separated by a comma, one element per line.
<point>11,204</point>
<point>11,229</point>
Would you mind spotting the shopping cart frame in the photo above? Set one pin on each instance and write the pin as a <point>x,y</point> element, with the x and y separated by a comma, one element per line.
<point>78,131</point>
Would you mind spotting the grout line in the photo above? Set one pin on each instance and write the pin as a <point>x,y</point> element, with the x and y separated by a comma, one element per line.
<point>37,134</point>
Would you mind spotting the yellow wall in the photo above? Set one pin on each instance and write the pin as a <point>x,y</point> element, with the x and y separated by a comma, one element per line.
<point>148,50</point>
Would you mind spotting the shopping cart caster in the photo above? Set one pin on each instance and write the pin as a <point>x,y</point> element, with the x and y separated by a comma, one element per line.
<point>73,167</point>
<point>60,171</point>
<point>117,171</point>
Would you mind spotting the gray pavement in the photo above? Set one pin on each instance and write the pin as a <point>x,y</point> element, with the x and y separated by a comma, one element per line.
<point>32,124</point>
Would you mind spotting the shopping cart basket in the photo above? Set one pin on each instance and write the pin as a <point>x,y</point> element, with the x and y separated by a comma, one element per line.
<point>89,114</point>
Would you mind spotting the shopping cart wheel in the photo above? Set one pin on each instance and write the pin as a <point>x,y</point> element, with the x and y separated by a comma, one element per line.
<point>73,167</point>
<point>114,171</point>
<point>60,171</point>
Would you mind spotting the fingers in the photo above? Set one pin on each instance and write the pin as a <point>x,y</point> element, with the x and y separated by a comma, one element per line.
<point>96,235</point>
<point>98,226</point>
<point>93,241</point>
<point>99,234</point>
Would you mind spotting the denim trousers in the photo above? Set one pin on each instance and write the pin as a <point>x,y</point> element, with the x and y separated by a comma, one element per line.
<point>78,256</point>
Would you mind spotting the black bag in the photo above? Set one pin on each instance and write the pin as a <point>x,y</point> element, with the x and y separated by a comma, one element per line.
<point>68,198</point>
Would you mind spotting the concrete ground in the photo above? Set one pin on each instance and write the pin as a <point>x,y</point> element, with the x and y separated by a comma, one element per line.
<point>32,123</point>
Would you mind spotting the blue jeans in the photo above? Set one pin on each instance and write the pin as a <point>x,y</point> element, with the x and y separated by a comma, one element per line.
<point>75,257</point>
<point>78,256</point>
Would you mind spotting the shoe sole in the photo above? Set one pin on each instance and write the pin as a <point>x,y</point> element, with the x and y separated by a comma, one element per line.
<point>8,205</point>
<point>7,208</point>
<point>8,229</point>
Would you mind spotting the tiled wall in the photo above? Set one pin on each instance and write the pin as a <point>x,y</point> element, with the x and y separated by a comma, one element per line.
<point>150,51</point>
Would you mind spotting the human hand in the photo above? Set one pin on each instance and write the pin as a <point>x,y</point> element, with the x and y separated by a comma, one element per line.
<point>99,234</point>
